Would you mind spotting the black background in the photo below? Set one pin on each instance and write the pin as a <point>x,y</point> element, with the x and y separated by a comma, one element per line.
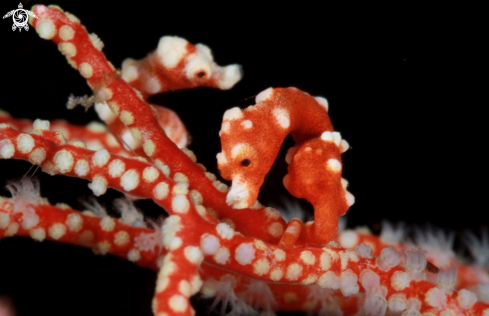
<point>404,86</point>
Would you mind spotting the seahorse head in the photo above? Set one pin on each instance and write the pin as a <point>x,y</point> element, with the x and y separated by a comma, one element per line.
<point>248,153</point>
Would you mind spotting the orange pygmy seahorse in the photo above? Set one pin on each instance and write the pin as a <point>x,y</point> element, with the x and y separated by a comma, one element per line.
<point>251,140</point>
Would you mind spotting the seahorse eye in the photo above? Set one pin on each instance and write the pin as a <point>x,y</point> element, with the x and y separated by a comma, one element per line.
<point>245,162</point>
<point>200,74</point>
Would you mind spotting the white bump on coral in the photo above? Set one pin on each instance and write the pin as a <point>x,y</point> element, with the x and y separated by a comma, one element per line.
<point>397,303</point>
<point>130,180</point>
<point>98,185</point>
<point>348,283</point>
<point>325,261</point>
<point>447,278</point>
<point>133,255</point>
<point>63,161</point>
<point>466,299</point>
<point>150,174</point>
<point>12,229</point>
<point>307,257</point>
<point>400,280</point>
<point>436,298</point>
<point>170,227</point>
<point>74,222</point>
<point>180,178</point>
<point>294,272</point>
<point>415,262</point>
<point>247,124</point>
<point>209,244</point>
<point>116,168</point>
<point>261,266</point>
<point>66,32</point>
<point>126,117</point>
<point>180,204</point>
<point>107,224</point>
<point>348,239</point>
<point>184,288</point>
<point>375,305</point>
<point>333,165</point>
<point>100,158</point>
<point>103,247</point>
<point>86,70</point>
<point>25,143</point>
<point>225,231</point>
<point>279,255</point>
<point>196,197</point>
<point>67,49</point>
<point>7,149</point>
<point>369,279</point>
<point>171,50</point>
<point>37,156</point>
<point>245,253</point>
<point>178,303</point>
<point>46,29</point>
<point>4,220</point>
<point>122,238</point>
<point>160,191</point>
<point>82,168</point>
<point>276,274</point>
<point>38,233</point>
<point>388,259</point>
<point>193,254</point>
<point>364,251</point>
<point>282,117</point>
<point>104,112</point>
<point>153,85</point>
<point>329,280</point>
<point>40,125</point>
<point>222,255</point>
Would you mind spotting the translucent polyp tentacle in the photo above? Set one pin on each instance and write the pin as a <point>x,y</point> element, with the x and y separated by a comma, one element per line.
<point>128,105</point>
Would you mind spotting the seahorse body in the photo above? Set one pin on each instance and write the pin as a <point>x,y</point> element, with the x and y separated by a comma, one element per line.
<point>248,152</point>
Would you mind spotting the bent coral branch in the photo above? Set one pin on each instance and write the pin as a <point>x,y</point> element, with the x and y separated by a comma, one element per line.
<point>204,245</point>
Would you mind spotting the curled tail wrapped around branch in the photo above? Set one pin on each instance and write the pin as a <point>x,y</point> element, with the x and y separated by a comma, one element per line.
<point>251,140</point>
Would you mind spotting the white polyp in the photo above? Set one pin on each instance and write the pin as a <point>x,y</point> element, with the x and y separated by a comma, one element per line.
<point>180,188</point>
<point>129,70</point>
<point>74,222</point>
<point>7,149</point>
<point>171,50</point>
<point>279,255</point>
<point>153,85</point>
<point>193,254</point>
<point>38,234</point>
<point>329,280</point>
<point>45,28</point>
<point>327,136</point>
<point>466,299</point>
<point>98,185</point>
<point>150,174</point>
<point>348,239</point>
<point>117,168</point>
<point>100,158</point>
<point>82,168</point>
<point>133,255</point>
<point>245,253</point>
<point>12,229</point>
<point>178,303</point>
<point>447,278</point>
<point>107,224</point>
<point>130,180</point>
<point>375,305</point>
<point>264,95</point>
<point>40,125</point>
<point>415,262</point>
<point>348,283</point>
<point>66,33</point>
<point>322,101</point>
<point>397,303</point>
<point>282,117</point>
<point>63,161</point>
<point>334,165</point>
<point>180,204</point>
<point>294,272</point>
<point>325,261</point>
<point>400,280</point>
<point>86,70</point>
<point>209,244</point>
<point>126,117</point>
<point>160,191</point>
<point>247,124</point>
<point>369,280</point>
<point>4,220</point>
<point>196,197</point>
<point>67,49</point>
<point>229,76</point>
<point>336,138</point>
<point>224,231</point>
<point>436,298</point>
<point>233,114</point>
<point>96,41</point>
<point>222,255</point>
<point>308,257</point>
<point>180,178</point>
<point>25,143</point>
<point>104,112</point>
<point>388,259</point>
<point>261,267</point>
<point>57,231</point>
